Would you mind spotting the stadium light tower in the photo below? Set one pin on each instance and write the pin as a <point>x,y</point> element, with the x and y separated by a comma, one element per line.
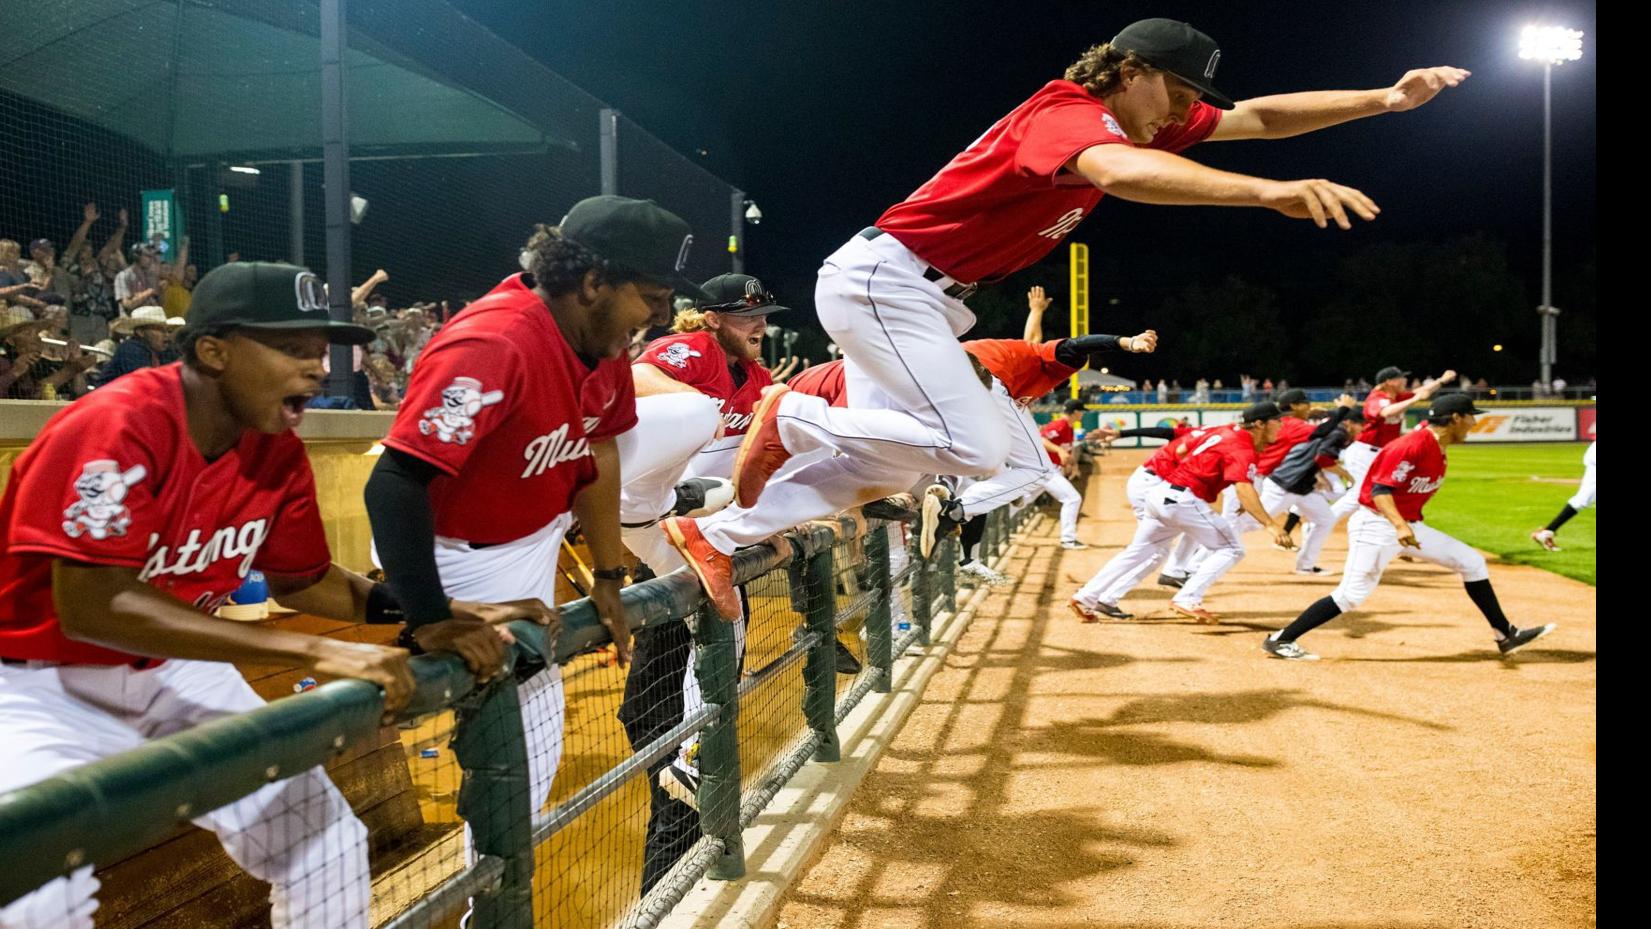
<point>1551,45</point>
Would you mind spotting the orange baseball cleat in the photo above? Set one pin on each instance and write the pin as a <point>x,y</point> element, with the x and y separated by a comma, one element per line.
<point>761,452</point>
<point>714,569</point>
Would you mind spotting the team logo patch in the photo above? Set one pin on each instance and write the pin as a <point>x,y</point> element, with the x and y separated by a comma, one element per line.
<point>1209,69</point>
<point>1065,224</point>
<point>309,293</point>
<point>454,422</point>
<point>1402,472</point>
<point>678,355</point>
<point>1112,125</point>
<point>101,510</point>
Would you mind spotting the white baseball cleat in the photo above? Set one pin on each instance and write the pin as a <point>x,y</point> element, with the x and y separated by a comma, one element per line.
<point>1315,571</point>
<point>702,496</point>
<point>1545,538</point>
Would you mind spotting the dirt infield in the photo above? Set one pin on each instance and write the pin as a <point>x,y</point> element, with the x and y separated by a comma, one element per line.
<point>1158,773</point>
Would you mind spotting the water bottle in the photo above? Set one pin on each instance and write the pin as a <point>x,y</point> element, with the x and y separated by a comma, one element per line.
<point>306,683</point>
<point>429,753</point>
<point>255,589</point>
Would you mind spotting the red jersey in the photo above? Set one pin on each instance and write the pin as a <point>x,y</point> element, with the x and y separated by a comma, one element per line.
<point>1007,200</point>
<point>1378,431</point>
<point>1058,431</point>
<point>1291,432</point>
<point>1026,371</point>
<point>1167,458</point>
<point>824,381</point>
<point>501,403</point>
<point>1221,457</point>
<point>114,479</point>
<point>696,359</point>
<point>1414,466</point>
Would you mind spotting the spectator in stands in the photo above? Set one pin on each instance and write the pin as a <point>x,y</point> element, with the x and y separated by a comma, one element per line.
<point>33,370</point>
<point>359,296</point>
<point>177,282</point>
<point>385,381</point>
<point>1176,391</point>
<point>1201,390</point>
<point>92,306</point>
<point>1246,385</point>
<point>139,285</point>
<point>15,286</point>
<point>1163,391</point>
<point>148,344</point>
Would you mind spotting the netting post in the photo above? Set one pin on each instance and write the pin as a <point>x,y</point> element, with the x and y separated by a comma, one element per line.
<point>988,542</point>
<point>716,666</point>
<point>820,670</point>
<point>922,593</point>
<point>948,572</point>
<point>879,635</point>
<point>490,747</point>
<point>335,158</point>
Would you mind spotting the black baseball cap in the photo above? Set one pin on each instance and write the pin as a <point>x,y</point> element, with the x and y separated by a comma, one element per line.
<point>1072,406</point>
<point>39,244</point>
<point>1179,49</point>
<point>738,295</point>
<point>1292,397</point>
<point>1261,412</point>
<point>1390,372</point>
<point>639,235</point>
<point>1447,404</point>
<point>268,295</point>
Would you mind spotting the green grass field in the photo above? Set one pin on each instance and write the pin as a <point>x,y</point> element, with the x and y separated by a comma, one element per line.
<point>1494,495</point>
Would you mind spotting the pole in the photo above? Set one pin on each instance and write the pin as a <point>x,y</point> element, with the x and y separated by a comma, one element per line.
<point>295,212</point>
<point>608,123</point>
<point>736,231</point>
<point>335,157</point>
<point>1548,347</point>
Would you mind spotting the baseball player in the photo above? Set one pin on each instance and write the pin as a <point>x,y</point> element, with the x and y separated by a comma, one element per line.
<point>1220,457</point>
<point>130,518</point>
<point>1059,440</point>
<point>1405,475</point>
<point>1384,413</point>
<point>892,296</point>
<point>1293,485</point>
<point>1583,499</point>
<point>509,431</point>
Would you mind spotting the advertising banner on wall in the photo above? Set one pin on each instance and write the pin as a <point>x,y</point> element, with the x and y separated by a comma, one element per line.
<point>1526,424</point>
<point>1585,424</point>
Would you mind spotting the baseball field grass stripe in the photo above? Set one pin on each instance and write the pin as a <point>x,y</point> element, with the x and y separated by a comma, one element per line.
<point>1494,495</point>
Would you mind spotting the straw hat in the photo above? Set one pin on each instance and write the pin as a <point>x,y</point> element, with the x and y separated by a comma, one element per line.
<point>13,318</point>
<point>141,317</point>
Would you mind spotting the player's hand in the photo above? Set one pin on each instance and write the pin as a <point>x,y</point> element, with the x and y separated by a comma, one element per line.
<point>1319,200</point>
<point>1037,300</point>
<point>1407,537</point>
<point>1282,539</point>
<point>381,275</point>
<point>483,646</point>
<point>1421,85</point>
<point>1346,400</point>
<point>1447,377</point>
<point>497,614</point>
<point>120,215</point>
<point>604,595</point>
<point>1104,432</point>
<point>89,212</point>
<point>1144,344</point>
<point>378,664</point>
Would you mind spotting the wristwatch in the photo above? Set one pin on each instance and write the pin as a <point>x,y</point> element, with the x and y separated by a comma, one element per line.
<point>611,574</point>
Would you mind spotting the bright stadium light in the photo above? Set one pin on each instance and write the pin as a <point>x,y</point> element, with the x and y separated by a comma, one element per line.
<point>244,169</point>
<point>1551,45</point>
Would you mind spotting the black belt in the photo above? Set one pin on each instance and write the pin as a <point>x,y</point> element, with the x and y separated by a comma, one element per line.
<point>1176,487</point>
<point>137,664</point>
<point>956,290</point>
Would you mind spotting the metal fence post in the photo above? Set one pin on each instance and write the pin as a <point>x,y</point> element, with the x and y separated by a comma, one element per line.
<point>716,666</point>
<point>820,671</point>
<point>490,747</point>
<point>922,592</point>
<point>948,573</point>
<point>879,637</point>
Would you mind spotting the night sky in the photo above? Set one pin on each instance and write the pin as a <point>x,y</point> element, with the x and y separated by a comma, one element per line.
<point>826,113</point>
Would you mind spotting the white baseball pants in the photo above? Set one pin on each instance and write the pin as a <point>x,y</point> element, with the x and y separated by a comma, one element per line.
<point>1315,512</point>
<point>298,834</point>
<point>1372,542</point>
<point>655,454</point>
<point>1168,513</point>
<point>1584,497</point>
<point>1357,458</point>
<point>1027,468</point>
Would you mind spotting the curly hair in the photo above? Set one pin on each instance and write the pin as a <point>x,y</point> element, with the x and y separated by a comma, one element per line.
<point>559,264</point>
<point>688,320</point>
<point>1100,68</point>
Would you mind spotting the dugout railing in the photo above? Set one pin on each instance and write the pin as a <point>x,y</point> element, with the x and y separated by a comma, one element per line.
<point>838,576</point>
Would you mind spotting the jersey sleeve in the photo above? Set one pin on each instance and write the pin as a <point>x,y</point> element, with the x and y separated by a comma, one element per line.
<point>1057,132</point>
<point>1373,406</point>
<point>89,492</point>
<point>619,415</point>
<point>684,358</point>
<point>1201,122</point>
<point>297,544</point>
<point>460,390</point>
<point>1393,464</point>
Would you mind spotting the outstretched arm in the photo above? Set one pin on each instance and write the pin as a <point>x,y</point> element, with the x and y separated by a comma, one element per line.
<point>1283,115</point>
<point>1037,303</point>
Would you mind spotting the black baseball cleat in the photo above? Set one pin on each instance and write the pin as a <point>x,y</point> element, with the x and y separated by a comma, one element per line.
<point>1289,651</point>
<point>846,662</point>
<point>897,508</point>
<point>702,496</point>
<point>1170,580</point>
<point>1523,637</point>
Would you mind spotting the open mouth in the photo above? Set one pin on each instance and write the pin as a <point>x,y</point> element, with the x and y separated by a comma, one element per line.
<point>292,408</point>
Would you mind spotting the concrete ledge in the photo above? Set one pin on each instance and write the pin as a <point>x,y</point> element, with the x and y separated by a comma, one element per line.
<point>789,834</point>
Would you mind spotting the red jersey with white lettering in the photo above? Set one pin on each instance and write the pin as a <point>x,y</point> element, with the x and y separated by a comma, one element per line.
<point>1007,200</point>
<point>1167,458</point>
<point>1378,431</point>
<point>114,479</point>
<point>1414,466</point>
<point>1026,371</point>
<point>824,381</point>
<point>1291,432</point>
<point>501,403</point>
<point>1222,457</point>
<point>1058,431</point>
<point>698,360</point>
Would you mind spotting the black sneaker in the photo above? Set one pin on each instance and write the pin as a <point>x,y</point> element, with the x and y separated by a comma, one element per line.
<point>1289,651</point>
<point>1523,637</point>
<point>898,508</point>
<point>1170,580</point>
<point>846,662</point>
<point>682,785</point>
<point>702,496</point>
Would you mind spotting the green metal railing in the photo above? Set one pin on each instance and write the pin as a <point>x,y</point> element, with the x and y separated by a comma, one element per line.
<point>105,810</point>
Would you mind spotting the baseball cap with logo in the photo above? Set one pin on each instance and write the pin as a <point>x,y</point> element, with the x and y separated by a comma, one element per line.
<point>638,235</point>
<point>1260,412</point>
<point>738,295</point>
<point>1179,49</point>
<point>1292,397</point>
<point>1389,373</point>
<point>269,295</point>
<point>1447,405</point>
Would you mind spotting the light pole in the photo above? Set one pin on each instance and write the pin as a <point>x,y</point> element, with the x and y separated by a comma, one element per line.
<point>1551,45</point>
